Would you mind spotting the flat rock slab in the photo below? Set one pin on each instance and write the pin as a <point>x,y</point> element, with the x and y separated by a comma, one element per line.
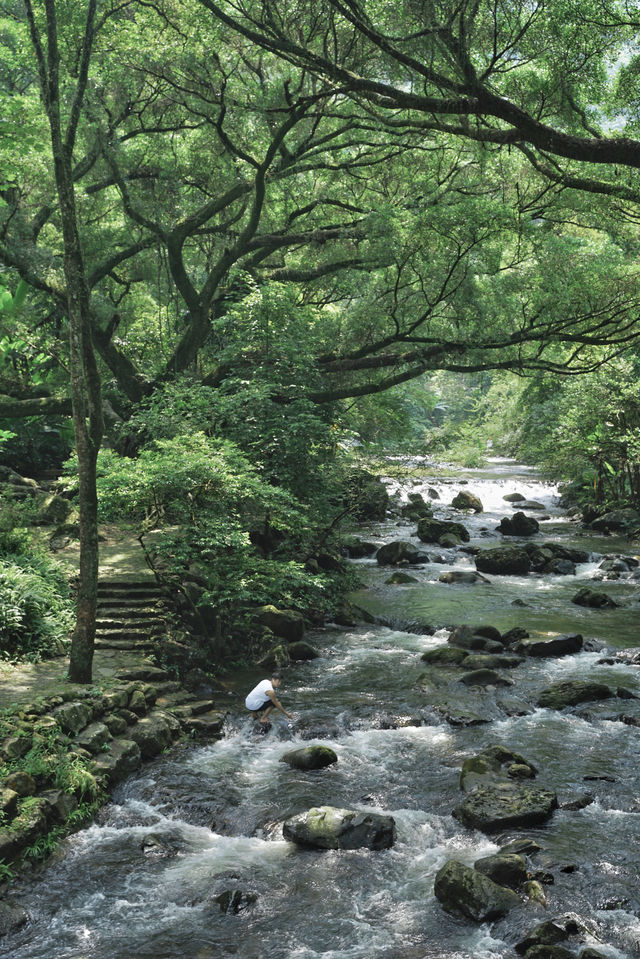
<point>493,808</point>
<point>325,827</point>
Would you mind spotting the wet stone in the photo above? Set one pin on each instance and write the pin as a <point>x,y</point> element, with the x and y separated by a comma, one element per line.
<point>465,891</point>
<point>491,808</point>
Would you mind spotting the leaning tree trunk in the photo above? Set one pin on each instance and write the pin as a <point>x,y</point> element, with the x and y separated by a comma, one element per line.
<point>85,380</point>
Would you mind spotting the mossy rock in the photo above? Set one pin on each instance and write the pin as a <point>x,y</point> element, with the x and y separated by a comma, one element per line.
<point>445,655</point>
<point>464,891</point>
<point>505,805</point>
<point>506,869</point>
<point>572,692</point>
<point>431,530</point>
<point>325,827</point>
<point>400,579</point>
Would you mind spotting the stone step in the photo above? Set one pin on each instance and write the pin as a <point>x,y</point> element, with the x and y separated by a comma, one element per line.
<point>112,635</point>
<point>128,584</point>
<point>129,608</point>
<point>105,626</point>
<point>148,595</point>
<point>142,645</point>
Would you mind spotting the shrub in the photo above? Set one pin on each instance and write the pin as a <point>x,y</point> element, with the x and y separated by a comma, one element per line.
<point>36,612</point>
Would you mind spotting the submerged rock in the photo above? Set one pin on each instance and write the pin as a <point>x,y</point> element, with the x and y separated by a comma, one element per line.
<point>504,560</point>
<point>485,677</point>
<point>467,892</point>
<point>593,598</point>
<point>399,551</point>
<point>494,764</point>
<point>461,576</point>
<point>572,692</point>
<point>490,808</point>
<point>310,757</point>
<point>325,827</point>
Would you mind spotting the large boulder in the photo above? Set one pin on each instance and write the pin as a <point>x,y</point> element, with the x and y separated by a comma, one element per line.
<point>301,652</point>
<point>507,869</point>
<point>465,500</point>
<point>504,560</point>
<point>416,508</point>
<point>310,757</point>
<point>504,806</point>
<point>397,552</point>
<point>288,624</point>
<point>549,645</point>
<point>464,891</point>
<point>519,525</point>
<point>514,498</point>
<point>432,530</point>
<point>572,692</point>
<point>325,827</point>
<point>617,521</point>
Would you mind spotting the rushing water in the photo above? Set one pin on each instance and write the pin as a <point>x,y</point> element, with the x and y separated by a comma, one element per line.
<point>142,880</point>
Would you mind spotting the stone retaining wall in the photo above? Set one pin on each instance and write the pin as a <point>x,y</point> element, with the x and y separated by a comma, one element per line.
<point>61,756</point>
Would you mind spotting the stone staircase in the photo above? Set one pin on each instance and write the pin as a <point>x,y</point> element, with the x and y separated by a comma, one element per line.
<point>131,614</point>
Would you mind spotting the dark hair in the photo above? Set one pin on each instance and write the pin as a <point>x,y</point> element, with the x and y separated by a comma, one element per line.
<point>276,674</point>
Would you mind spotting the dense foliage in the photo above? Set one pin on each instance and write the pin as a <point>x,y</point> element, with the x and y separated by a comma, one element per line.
<point>255,225</point>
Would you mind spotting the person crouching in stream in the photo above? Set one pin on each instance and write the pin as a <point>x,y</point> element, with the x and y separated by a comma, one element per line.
<point>262,699</point>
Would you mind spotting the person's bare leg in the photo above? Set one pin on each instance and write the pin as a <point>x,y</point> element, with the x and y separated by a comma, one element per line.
<point>266,713</point>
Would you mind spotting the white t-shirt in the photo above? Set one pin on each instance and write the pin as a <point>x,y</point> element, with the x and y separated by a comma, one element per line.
<point>258,696</point>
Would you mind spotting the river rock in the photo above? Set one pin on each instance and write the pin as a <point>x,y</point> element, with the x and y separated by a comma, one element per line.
<point>507,869</point>
<point>491,661</point>
<point>444,655</point>
<point>399,551</point>
<point>462,890</point>
<point>416,508</point>
<point>235,900</point>
<point>465,500</point>
<point>617,521</point>
<point>504,805</point>
<point>593,598</point>
<point>325,827</point>
<point>462,577</point>
<point>485,677</point>
<point>572,692</point>
<point>549,646</point>
<point>431,530</point>
<point>559,567</point>
<point>494,764</point>
<point>504,560</point>
<point>550,933</point>
<point>400,579</point>
<point>469,637</point>
<point>514,498</point>
<point>12,918</point>
<point>310,757</point>
<point>357,548</point>
<point>518,525</point>
<point>302,652</point>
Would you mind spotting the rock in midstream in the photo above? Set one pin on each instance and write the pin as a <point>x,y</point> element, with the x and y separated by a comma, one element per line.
<point>325,827</point>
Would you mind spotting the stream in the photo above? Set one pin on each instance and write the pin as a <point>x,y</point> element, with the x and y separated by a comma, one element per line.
<point>203,820</point>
